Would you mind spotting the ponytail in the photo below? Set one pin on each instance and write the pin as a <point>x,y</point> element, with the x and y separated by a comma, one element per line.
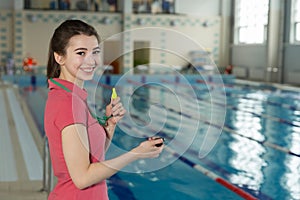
<point>53,68</point>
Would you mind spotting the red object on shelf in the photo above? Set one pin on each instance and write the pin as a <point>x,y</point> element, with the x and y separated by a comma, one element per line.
<point>28,63</point>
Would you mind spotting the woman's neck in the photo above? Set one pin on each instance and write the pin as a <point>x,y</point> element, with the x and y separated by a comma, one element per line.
<point>77,82</point>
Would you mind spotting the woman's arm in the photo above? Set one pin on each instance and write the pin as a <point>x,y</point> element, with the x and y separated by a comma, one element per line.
<point>110,130</point>
<point>83,173</point>
<point>115,109</point>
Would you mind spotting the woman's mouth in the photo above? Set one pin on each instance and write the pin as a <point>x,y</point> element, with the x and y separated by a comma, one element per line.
<point>88,69</point>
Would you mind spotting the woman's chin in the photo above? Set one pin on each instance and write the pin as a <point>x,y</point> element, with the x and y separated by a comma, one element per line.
<point>85,76</point>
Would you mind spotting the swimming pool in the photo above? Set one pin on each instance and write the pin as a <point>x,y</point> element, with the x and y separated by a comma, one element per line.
<point>257,154</point>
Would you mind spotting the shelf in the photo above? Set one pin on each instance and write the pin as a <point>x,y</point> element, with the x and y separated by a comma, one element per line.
<point>72,5</point>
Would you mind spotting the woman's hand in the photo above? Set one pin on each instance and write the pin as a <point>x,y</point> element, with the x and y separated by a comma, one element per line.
<point>148,149</point>
<point>116,110</point>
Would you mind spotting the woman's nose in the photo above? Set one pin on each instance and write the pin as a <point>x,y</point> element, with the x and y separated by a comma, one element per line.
<point>90,60</point>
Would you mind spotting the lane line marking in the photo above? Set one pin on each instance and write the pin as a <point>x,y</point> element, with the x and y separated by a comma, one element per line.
<point>32,157</point>
<point>8,171</point>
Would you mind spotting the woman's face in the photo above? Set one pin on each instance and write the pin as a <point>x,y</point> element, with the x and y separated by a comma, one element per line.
<point>81,59</point>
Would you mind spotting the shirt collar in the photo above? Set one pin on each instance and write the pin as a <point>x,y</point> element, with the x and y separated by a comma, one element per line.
<point>82,93</point>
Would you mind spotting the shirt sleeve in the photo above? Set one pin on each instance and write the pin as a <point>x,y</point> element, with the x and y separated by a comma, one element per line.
<point>71,110</point>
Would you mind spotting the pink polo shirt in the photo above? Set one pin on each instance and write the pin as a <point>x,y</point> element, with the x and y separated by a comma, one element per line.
<point>62,109</point>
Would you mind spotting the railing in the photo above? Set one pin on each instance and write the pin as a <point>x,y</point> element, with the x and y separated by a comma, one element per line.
<point>48,178</point>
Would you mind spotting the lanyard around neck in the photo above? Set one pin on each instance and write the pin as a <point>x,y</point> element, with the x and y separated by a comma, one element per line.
<point>102,121</point>
<point>60,85</point>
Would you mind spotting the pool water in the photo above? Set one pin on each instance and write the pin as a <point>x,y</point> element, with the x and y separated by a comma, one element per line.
<point>255,151</point>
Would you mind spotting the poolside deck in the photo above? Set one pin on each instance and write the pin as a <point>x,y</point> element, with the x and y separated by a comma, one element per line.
<point>21,146</point>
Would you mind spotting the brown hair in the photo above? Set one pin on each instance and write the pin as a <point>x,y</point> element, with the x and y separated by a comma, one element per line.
<point>60,40</point>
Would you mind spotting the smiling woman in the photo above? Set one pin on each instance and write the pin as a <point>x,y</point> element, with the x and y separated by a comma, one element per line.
<point>78,61</point>
<point>82,57</point>
<point>77,142</point>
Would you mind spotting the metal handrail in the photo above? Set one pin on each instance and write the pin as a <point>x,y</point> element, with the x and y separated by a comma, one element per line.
<point>48,178</point>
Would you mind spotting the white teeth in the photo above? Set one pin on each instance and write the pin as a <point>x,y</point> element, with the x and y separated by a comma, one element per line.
<point>87,70</point>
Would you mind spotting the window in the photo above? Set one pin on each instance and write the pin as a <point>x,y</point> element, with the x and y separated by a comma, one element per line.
<point>295,19</point>
<point>251,20</point>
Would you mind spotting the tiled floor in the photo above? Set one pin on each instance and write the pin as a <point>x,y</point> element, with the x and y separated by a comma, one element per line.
<point>22,190</point>
<point>21,147</point>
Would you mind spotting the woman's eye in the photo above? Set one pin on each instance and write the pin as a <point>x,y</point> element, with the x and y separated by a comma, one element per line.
<point>81,53</point>
<point>96,52</point>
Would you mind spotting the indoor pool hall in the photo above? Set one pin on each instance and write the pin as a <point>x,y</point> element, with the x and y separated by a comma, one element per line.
<point>155,99</point>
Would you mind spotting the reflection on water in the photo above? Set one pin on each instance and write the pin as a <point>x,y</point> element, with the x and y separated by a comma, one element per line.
<point>140,97</point>
<point>263,168</point>
<point>247,155</point>
<point>291,179</point>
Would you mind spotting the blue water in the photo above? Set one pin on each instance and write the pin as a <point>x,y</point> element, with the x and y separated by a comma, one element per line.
<point>258,149</point>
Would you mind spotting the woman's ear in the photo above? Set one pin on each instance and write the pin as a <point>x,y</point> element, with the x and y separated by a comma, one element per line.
<point>58,58</point>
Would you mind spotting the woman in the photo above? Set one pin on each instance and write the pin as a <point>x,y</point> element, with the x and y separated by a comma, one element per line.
<point>77,141</point>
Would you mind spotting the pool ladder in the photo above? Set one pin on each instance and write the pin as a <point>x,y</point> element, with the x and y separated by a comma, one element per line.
<point>48,177</point>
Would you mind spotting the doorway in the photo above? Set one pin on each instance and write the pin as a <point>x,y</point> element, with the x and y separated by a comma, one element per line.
<point>141,54</point>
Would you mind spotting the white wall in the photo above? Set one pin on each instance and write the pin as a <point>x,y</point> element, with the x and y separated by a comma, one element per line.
<point>197,7</point>
<point>6,4</point>
<point>252,59</point>
<point>175,42</point>
<point>36,35</point>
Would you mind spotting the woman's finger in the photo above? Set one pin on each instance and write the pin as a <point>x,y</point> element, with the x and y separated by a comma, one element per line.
<point>114,102</point>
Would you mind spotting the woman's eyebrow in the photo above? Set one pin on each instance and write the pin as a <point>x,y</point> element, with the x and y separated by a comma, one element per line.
<point>81,48</point>
<point>85,49</point>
